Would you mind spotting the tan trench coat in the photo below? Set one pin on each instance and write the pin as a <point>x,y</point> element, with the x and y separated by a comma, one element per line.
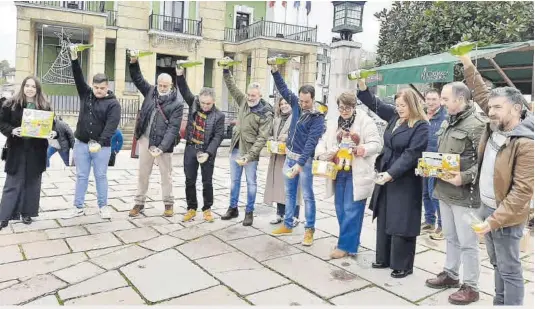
<point>274,191</point>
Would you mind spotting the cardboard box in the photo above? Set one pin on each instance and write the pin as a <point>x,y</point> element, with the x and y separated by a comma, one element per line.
<point>276,147</point>
<point>435,164</point>
<point>324,169</point>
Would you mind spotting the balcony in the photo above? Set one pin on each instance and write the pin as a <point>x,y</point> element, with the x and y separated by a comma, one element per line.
<point>271,29</point>
<point>175,25</point>
<point>89,6</point>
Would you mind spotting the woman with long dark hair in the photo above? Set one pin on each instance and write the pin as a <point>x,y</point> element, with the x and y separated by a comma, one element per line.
<point>25,157</point>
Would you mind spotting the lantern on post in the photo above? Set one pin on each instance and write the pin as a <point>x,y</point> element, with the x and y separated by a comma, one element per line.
<point>347,18</point>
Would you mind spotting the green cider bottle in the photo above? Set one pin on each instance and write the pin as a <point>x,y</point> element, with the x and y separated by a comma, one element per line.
<point>138,53</point>
<point>359,74</point>
<point>227,62</point>
<point>81,47</point>
<point>279,60</point>
<point>462,48</point>
<point>184,64</point>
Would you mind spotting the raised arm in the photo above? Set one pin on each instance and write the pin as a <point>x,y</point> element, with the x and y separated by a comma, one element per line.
<point>286,93</point>
<point>219,133</point>
<point>113,117</point>
<point>173,129</point>
<point>81,86</point>
<point>137,77</point>
<point>381,109</point>
<point>238,96</point>
<point>476,84</point>
<point>409,158</point>
<point>183,87</point>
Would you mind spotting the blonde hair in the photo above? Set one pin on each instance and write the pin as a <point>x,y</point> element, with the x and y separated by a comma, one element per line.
<point>416,108</point>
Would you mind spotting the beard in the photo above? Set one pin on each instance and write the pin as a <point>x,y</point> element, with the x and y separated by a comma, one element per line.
<point>253,103</point>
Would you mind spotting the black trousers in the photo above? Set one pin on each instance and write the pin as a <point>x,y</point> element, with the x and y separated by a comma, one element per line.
<point>396,251</point>
<point>21,194</point>
<point>191,167</point>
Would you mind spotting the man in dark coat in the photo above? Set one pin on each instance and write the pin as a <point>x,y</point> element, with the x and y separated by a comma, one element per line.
<point>157,133</point>
<point>100,114</point>
<point>204,134</point>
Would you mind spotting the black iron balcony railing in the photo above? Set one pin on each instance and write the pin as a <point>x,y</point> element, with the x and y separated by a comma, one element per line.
<point>91,6</point>
<point>175,24</point>
<point>272,29</point>
<point>111,19</point>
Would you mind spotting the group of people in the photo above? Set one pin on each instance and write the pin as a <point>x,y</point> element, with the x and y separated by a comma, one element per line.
<point>495,180</point>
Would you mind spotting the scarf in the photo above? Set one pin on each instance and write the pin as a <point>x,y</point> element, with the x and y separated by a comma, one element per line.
<point>283,118</point>
<point>345,124</point>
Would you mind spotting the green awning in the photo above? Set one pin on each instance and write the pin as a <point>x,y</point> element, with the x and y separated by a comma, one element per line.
<point>515,59</point>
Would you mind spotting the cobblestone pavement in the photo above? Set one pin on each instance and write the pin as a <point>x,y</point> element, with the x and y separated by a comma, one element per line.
<point>156,260</point>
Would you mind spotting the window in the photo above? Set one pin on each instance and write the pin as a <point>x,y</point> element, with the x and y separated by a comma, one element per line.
<point>317,68</point>
<point>323,79</point>
<point>208,72</point>
<point>173,8</point>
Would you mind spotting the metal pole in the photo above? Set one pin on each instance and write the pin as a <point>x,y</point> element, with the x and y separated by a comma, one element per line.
<point>417,91</point>
<point>501,72</point>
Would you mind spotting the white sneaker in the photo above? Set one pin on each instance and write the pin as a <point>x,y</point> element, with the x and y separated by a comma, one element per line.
<point>105,212</point>
<point>76,212</point>
<point>276,220</point>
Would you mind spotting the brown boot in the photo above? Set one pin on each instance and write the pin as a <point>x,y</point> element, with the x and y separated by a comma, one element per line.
<point>168,211</point>
<point>442,281</point>
<point>464,296</point>
<point>134,212</point>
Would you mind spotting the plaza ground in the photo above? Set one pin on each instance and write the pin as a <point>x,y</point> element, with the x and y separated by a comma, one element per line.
<point>156,260</point>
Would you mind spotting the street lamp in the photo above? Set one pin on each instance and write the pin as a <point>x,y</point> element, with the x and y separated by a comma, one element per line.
<point>347,18</point>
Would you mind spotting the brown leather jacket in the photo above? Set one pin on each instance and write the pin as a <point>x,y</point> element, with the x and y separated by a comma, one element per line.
<point>513,169</point>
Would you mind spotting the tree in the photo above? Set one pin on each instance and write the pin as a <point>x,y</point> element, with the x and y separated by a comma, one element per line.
<point>5,68</point>
<point>412,29</point>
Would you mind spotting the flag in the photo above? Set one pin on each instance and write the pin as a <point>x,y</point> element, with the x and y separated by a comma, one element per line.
<point>308,6</point>
<point>271,4</point>
<point>297,4</point>
<point>284,3</point>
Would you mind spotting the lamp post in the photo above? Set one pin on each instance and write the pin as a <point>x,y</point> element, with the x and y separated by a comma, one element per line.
<point>347,18</point>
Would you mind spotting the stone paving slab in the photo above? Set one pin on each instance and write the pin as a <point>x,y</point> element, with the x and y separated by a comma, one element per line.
<point>7,284</point>
<point>216,296</point>
<point>31,268</point>
<point>46,301</point>
<point>10,254</point>
<point>370,296</point>
<point>104,282</point>
<point>287,295</point>
<point>326,280</point>
<point>156,276</point>
<point>92,242</point>
<point>35,226</point>
<point>78,272</point>
<point>121,297</point>
<point>66,232</point>
<point>22,238</point>
<point>236,270</point>
<point>30,289</point>
<point>45,248</point>
<point>137,235</point>
<point>121,257</point>
<point>205,246</point>
<point>264,247</point>
<point>161,243</point>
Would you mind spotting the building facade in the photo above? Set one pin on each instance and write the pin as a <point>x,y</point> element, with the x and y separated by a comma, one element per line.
<point>247,31</point>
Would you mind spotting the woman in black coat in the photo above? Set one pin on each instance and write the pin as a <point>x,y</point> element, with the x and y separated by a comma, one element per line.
<point>25,158</point>
<point>397,198</point>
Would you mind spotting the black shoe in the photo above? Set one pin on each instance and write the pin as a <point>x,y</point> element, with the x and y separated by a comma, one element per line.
<point>231,213</point>
<point>248,221</point>
<point>3,224</point>
<point>400,273</point>
<point>27,220</point>
<point>379,265</point>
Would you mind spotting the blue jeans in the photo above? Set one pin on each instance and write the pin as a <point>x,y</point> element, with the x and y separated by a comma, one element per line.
<point>83,159</point>
<point>503,248</point>
<point>349,213</point>
<point>305,179</point>
<point>63,154</point>
<point>235,177</point>
<point>431,205</point>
